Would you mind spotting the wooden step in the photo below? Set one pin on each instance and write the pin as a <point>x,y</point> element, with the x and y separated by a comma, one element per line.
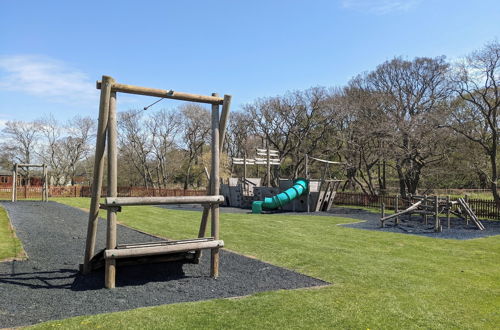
<point>161,243</point>
<point>145,250</point>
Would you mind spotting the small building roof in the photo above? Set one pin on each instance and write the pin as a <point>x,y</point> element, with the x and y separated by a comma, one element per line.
<point>4,172</point>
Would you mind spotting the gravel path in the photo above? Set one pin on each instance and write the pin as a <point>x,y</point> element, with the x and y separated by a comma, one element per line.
<point>371,221</point>
<point>48,285</point>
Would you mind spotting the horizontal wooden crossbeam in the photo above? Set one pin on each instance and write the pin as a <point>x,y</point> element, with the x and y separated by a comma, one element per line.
<point>129,201</point>
<point>163,93</point>
<point>30,165</point>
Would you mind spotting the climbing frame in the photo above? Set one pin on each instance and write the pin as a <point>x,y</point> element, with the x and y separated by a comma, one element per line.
<point>432,206</point>
<point>153,251</point>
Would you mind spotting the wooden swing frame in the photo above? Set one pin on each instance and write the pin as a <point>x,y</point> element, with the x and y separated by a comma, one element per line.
<point>107,132</point>
<point>45,181</point>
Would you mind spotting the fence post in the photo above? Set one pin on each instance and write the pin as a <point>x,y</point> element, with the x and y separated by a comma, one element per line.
<point>426,221</point>
<point>409,204</point>
<point>396,208</point>
<point>382,212</point>
<point>448,209</point>
<point>466,217</point>
<point>437,220</point>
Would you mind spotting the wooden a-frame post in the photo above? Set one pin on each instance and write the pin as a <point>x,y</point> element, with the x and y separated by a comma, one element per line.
<point>98,170</point>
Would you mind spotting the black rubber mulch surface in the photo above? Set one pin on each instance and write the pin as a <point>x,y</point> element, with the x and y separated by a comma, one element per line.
<point>415,225</point>
<point>48,286</point>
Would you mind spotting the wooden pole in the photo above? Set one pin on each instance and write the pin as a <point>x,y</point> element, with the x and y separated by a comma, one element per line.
<point>409,204</point>
<point>426,219</point>
<point>224,116</point>
<point>206,210</point>
<point>29,165</point>
<point>308,181</point>
<point>44,178</point>
<point>98,171</point>
<point>465,213</point>
<point>42,191</point>
<point>48,183</point>
<point>244,170</point>
<point>14,182</point>
<point>129,201</point>
<point>408,210</point>
<point>448,209</point>
<point>110,264</point>
<point>268,166</point>
<point>396,208</point>
<point>437,221</point>
<point>17,181</point>
<point>43,183</point>
<point>382,214</point>
<point>214,176</point>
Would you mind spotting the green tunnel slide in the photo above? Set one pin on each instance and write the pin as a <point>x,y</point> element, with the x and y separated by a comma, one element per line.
<point>298,189</point>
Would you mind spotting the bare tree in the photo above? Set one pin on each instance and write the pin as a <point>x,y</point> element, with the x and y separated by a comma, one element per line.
<point>21,141</point>
<point>412,96</point>
<point>476,108</point>
<point>164,126</point>
<point>239,130</point>
<point>364,140</point>
<point>196,128</point>
<point>76,145</point>
<point>135,145</point>
<point>22,138</point>
<point>51,151</point>
<point>295,124</point>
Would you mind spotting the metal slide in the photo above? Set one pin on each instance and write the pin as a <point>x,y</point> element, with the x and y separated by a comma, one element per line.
<point>298,189</point>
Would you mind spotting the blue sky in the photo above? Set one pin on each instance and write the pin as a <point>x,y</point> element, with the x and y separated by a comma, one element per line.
<point>52,52</point>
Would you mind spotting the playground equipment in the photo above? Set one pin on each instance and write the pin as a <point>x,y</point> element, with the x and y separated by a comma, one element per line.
<point>300,187</point>
<point>327,188</point>
<point>240,192</point>
<point>244,192</point>
<point>432,206</point>
<point>159,251</point>
<point>45,181</point>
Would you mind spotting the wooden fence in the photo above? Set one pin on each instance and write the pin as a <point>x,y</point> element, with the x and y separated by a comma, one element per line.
<point>482,207</point>
<point>84,191</point>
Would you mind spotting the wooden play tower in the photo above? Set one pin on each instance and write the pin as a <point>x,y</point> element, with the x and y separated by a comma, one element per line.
<point>122,254</point>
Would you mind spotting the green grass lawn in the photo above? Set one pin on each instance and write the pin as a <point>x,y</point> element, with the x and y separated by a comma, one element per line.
<point>10,245</point>
<point>380,280</point>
